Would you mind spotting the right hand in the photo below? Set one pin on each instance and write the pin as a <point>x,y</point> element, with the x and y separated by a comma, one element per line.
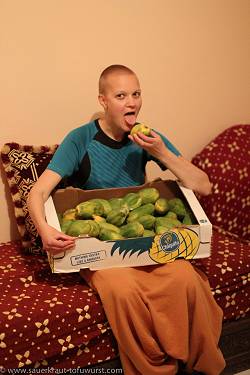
<point>55,242</point>
<point>153,144</point>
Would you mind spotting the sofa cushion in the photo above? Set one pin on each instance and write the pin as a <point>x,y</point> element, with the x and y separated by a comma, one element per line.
<point>56,320</point>
<point>48,320</point>
<point>228,272</point>
<point>23,165</point>
<point>227,162</point>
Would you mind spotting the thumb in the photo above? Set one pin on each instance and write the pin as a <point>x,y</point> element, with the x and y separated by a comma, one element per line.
<point>64,236</point>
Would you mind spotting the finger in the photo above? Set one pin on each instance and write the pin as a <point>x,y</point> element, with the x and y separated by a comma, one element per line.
<point>138,140</point>
<point>135,137</point>
<point>65,237</point>
<point>131,137</point>
<point>145,138</point>
<point>63,243</point>
<point>142,141</point>
<point>154,134</point>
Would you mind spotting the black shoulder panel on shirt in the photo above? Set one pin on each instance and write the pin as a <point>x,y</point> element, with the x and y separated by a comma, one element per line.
<point>107,141</point>
<point>79,178</point>
<point>144,160</point>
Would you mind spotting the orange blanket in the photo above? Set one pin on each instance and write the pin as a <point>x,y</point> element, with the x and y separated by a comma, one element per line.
<point>161,316</point>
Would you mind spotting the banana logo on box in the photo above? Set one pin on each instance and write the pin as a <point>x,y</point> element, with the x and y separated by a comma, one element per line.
<point>164,248</point>
<point>176,243</point>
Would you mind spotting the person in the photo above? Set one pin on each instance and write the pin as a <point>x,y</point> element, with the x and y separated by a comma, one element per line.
<point>161,315</point>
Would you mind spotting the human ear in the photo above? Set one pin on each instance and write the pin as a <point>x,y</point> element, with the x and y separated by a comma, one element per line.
<point>102,101</point>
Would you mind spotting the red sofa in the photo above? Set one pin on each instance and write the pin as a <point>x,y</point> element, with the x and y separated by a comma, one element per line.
<point>55,320</point>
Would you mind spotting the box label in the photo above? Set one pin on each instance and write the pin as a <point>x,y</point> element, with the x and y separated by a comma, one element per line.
<point>94,256</point>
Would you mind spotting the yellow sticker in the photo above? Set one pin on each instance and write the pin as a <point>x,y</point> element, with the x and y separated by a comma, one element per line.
<point>176,243</point>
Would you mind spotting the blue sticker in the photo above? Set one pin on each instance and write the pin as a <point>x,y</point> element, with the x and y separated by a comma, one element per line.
<point>169,242</point>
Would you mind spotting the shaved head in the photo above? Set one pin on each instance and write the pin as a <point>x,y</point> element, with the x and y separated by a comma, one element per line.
<point>112,69</point>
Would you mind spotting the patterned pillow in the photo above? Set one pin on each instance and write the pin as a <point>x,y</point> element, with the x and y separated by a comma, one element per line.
<point>23,165</point>
<point>227,162</point>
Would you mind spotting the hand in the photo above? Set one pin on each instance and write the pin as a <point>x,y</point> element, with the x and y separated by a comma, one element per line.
<point>154,144</point>
<point>55,241</point>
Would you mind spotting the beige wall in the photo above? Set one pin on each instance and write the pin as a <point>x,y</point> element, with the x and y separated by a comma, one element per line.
<point>192,57</point>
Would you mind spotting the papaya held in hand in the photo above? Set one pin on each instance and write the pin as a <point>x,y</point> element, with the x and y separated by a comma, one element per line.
<point>140,128</point>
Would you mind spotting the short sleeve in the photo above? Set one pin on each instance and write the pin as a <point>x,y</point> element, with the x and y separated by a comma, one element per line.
<point>169,145</point>
<point>66,158</point>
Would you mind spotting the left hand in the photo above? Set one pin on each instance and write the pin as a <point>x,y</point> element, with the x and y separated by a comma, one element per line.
<point>154,144</point>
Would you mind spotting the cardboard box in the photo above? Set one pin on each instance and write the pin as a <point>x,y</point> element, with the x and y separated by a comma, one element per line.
<point>192,241</point>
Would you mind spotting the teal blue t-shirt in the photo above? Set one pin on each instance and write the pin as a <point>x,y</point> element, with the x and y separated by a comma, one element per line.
<point>92,160</point>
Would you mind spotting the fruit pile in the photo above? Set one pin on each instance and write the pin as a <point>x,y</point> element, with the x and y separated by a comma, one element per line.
<point>139,214</point>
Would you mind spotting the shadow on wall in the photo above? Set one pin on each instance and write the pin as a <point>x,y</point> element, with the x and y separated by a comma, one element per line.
<point>96,115</point>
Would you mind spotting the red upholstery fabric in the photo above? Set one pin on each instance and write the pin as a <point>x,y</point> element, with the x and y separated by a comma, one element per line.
<point>52,320</point>
<point>48,320</point>
<point>227,162</point>
<point>228,271</point>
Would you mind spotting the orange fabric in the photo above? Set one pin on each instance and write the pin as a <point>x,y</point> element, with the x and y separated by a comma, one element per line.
<point>159,315</point>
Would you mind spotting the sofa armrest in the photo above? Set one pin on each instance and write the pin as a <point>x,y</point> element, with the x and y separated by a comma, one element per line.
<point>226,160</point>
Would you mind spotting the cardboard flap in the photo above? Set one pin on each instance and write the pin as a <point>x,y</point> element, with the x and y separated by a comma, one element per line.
<point>202,219</point>
<point>50,212</point>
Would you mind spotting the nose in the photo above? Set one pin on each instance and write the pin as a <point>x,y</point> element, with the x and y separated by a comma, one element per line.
<point>131,101</point>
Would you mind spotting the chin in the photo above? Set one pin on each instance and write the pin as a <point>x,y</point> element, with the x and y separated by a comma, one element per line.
<point>126,128</point>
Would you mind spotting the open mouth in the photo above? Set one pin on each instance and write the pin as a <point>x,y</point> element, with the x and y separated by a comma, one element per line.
<point>130,117</point>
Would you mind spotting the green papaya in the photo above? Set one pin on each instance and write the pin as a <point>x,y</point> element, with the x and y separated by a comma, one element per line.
<point>146,209</point>
<point>65,224</point>
<point>134,229</point>
<point>108,226</point>
<point>176,205</point>
<point>189,219</point>
<point>82,227</point>
<point>98,218</point>
<point>160,229</point>
<point>161,206</point>
<point>148,233</point>
<point>171,214</point>
<point>117,217</point>
<point>78,228</point>
<point>142,128</point>
<point>149,195</point>
<point>147,221</point>
<point>69,214</point>
<point>167,222</point>
<point>133,200</point>
<point>116,203</point>
<point>105,203</point>
<point>87,209</point>
<point>109,235</point>
<point>94,228</point>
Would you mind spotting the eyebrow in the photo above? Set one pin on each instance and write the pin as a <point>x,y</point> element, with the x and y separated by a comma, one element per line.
<point>124,91</point>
